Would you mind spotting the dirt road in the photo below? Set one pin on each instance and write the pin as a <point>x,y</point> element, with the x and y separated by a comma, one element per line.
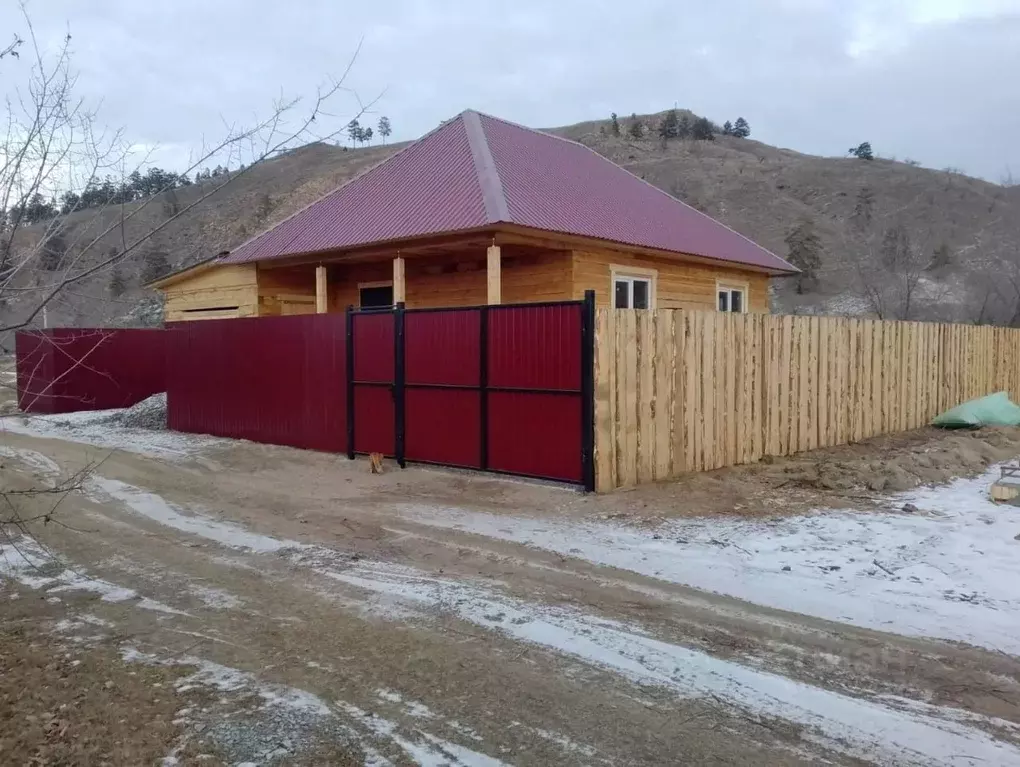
<point>320,604</point>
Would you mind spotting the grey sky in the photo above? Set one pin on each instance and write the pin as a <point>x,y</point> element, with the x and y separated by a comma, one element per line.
<point>932,80</point>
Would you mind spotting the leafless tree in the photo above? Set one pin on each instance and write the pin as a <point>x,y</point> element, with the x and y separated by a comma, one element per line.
<point>892,266</point>
<point>993,290</point>
<point>53,142</point>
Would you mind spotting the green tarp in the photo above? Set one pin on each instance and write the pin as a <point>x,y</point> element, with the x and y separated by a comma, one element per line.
<point>993,410</point>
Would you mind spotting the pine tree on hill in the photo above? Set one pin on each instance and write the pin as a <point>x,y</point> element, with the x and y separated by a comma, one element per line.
<point>614,125</point>
<point>727,128</point>
<point>384,128</point>
<point>684,127</point>
<point>636,130</point>
<point>805,252</point>
<point>353,131</point>
<point>741,128</point>
<point>670,125</point>
<point>117,283</point>
<point>862,151</point>
<point>702,130</point>
<point>155,265</point>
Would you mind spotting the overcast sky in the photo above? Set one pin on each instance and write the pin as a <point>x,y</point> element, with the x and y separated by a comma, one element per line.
<point>932,80</point>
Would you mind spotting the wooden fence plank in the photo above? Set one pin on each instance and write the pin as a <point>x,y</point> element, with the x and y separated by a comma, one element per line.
<point>678,464</point>
<point>783,382</point>
<point>605,404</point>
<point>645,343</point>
<point>694,413</point>
<point>664,405</point>
<point>708,377</point>
<point>627,406</point>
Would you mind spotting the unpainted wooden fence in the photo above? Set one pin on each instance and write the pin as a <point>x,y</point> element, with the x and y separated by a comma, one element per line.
<point>679,391</point>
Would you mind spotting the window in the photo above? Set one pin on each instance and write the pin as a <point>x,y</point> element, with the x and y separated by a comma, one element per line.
<point>632,292</point>
<point>375,296</point>
<point>731,300</point>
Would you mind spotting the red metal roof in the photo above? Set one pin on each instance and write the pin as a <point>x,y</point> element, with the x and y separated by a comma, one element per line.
<point>476,170</point>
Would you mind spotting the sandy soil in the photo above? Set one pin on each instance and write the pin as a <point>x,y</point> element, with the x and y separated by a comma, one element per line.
<point>342,622</point>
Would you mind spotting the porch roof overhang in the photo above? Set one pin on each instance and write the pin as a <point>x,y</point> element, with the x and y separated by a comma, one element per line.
<point>499,234</point>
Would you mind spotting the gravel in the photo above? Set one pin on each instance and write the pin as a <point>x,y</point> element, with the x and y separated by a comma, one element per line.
<point>276,736</point>
<point>148,414</point>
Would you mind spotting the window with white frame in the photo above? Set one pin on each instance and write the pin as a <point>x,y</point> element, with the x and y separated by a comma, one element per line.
<point>732,299</point>
<point>633,291</point>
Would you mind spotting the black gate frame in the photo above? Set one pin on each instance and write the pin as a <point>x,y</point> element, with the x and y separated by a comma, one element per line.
<point>398,387</point>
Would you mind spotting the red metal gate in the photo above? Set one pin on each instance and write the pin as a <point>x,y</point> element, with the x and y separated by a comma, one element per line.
<point>371,377</point>
<point>503,388</point>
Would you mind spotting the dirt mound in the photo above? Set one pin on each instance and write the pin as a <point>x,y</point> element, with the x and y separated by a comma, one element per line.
<point>857,476</point>
<point>897,463</point>
<point>148,414</point>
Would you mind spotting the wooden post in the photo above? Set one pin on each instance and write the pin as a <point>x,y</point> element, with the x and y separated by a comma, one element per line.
<point>399,286</point>
<point>494,275</point>
<point>321,302</point>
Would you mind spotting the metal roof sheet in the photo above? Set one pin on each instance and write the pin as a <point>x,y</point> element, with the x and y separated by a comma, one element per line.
<point>476,170</point>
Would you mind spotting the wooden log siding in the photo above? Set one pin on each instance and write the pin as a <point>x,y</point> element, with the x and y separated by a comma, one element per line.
<point>679,391</point>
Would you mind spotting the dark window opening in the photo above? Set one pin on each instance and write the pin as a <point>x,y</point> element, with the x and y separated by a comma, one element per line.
<point>622,295</point>
<point>640,294</point>
<point>212,309</point>
<point>376,297</point>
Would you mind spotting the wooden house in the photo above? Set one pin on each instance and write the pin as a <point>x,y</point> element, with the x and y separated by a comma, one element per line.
<point>480,211</point>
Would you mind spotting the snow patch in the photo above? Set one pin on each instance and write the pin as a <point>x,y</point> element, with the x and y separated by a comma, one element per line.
<point>434,752</point>
<point>35,460</point>
<point>227,679</point>
<point>158,510</point>
<point>216,598</point>
<point>27,563</point>
<point>101,428</point>
<point>948,571</point>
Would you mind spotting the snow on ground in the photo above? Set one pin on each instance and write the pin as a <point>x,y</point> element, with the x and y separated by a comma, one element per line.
<point>948,570</point>
<point>36,461</point>
<point>434,752</point>
<point>155,508</point>
<point>28,563</point>
<point>102,428</point>
<point>426,749</point>
<point>923,734</point>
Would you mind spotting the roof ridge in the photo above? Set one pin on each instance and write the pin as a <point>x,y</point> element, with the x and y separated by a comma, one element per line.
<point>336,189</point>
<point>689,207</point>
<point>539,131</point>
<point>493,192</point>
<point>603,158</point>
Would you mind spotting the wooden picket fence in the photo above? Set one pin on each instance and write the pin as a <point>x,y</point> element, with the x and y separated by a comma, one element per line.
<point>679,391</point>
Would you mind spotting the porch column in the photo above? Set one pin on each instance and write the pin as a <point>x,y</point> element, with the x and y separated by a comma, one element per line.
<point>494,274</point>
<point>399,286</point>
<point>321,296</point>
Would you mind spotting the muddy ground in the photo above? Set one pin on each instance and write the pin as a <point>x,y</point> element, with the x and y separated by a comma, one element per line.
<point>298,593</point>
<point>849,476</point>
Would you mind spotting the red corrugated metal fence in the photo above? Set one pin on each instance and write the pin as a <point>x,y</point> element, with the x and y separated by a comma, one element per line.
<point>62,370</point>
<point>498,388</point>
<point>280,380</point>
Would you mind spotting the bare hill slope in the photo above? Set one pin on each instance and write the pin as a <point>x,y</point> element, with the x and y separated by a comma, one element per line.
<point>759,190</point>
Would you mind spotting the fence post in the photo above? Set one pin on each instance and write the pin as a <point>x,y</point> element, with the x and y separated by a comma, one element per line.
<point>349,326</point>
<point>588,391</point>
<point>399,380</point>
<point>483,387</point>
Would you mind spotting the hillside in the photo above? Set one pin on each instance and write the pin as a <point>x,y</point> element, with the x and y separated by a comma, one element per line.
<point>759,190</point>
